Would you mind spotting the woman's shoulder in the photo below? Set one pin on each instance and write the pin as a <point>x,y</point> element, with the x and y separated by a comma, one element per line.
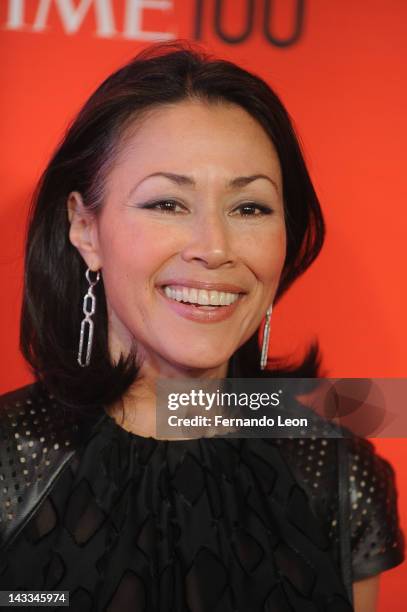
<point>368,481</point>
<point>31,416</point>
<point>39,435</point>
<point>17,398</point>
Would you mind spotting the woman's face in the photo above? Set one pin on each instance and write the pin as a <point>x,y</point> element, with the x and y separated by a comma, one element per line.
<point>191,238</point>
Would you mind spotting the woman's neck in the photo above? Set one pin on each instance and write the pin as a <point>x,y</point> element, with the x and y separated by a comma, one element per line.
<point>136,411</point>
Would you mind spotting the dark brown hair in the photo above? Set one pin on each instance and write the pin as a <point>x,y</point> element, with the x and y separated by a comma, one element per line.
<point>54,273</point>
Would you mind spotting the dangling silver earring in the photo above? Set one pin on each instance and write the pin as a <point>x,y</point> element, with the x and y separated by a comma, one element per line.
<point>89,309</point>
<point>266,336</point>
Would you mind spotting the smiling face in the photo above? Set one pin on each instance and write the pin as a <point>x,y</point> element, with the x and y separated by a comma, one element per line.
<point>191,237</point>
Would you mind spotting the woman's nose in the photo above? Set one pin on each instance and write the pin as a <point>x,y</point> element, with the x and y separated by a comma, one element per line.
<point>209,243</point>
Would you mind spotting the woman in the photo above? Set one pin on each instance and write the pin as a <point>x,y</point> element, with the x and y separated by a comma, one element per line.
<point>174,214</point>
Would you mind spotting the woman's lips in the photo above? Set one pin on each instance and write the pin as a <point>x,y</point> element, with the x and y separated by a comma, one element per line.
<point>201,313</point>
<point>197,284</point>
<point>200,297</point>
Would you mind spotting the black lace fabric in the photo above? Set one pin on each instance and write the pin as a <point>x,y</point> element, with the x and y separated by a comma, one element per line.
<point>201,525</point>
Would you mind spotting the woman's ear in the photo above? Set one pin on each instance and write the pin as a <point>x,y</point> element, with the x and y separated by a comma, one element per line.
<point>83,232</point>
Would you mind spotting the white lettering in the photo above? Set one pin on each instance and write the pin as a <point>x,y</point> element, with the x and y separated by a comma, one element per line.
<point>292,422</point>
<point>133,19</point>
<point>210,398</point>
<point>196,421</point>
<point>221,421</point>
<point>72,17</point>
<point>15,18</point>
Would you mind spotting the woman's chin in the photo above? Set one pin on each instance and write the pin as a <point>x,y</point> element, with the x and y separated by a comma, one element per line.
<point>212,365</point>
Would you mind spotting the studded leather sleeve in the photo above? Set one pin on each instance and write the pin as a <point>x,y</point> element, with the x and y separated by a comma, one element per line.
<point>38,438</point>
<point>376,540</point>
<point>377,544</point>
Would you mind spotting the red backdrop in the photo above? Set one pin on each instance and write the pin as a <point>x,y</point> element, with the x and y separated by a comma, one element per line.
<point>339,67</point>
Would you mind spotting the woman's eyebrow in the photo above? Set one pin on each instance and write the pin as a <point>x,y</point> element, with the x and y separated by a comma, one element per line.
<point>182,179</point>
<point>242,181</point>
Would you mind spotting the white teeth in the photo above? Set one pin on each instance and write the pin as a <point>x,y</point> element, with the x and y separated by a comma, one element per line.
<point>202,297</point>
<point>213,298</point>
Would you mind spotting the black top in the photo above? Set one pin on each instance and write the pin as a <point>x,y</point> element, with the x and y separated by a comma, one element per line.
<point>131,523</point>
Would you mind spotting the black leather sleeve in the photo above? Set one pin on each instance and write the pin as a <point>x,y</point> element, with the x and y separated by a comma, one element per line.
<point>38,437</point>
<point>376,540</point>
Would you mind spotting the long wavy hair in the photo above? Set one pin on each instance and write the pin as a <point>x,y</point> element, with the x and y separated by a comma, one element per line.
<point>54,271</point>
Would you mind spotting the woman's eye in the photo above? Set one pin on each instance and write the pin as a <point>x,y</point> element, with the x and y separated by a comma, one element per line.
<point>250,209</point>
<point>167,206</point>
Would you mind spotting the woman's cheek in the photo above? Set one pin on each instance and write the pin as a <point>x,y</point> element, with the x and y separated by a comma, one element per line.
<point>265,254</point>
